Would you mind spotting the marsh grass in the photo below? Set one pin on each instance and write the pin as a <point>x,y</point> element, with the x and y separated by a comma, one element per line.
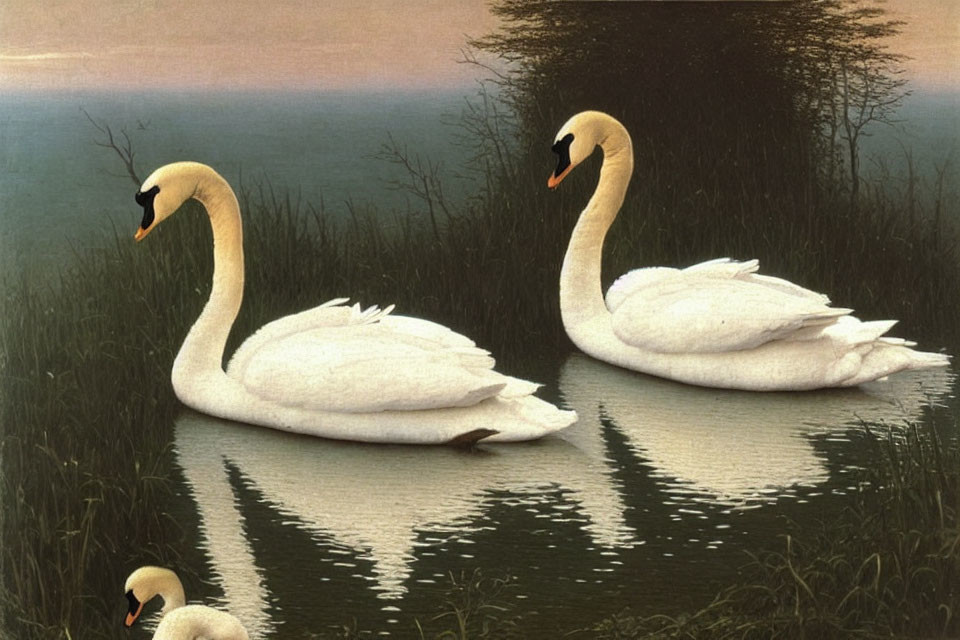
<point>471,606</point>
<point>889,567</point>
<point>87,406</point>
<point>85,449</point>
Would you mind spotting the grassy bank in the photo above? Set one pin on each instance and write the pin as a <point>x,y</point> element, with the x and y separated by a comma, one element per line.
<point>87,407</point>
<point>890,567</point>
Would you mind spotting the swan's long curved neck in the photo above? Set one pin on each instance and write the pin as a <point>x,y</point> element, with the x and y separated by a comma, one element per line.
<point>581,294</point>
<point>173,596</point>
<point>202,351</point>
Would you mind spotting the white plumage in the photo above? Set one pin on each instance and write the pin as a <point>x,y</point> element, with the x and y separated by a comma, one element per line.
<point>179,621</point>
<point>197,621</point>
<point>718,323</point>
<point>335,370</point>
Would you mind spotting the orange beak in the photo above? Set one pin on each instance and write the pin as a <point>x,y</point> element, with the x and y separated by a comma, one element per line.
<point>553,180</point>
<point>132,617</point>
<point>141,234</point>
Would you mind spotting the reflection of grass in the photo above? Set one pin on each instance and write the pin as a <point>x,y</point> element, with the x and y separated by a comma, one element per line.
<point>888,568</point>
<point>87,405</point>
<point>472,606</point>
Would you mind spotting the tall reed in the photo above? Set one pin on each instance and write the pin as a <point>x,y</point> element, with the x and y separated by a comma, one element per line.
<point>87,406</point>
<point>888,568</point>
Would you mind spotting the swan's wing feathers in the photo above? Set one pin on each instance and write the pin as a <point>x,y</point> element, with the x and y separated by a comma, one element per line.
<point>719,268</point>
<point>426,329</point>
<point>370,314</point>
<point>710,314</point>
<point>723,268</point>
<point>747,272</point>
<point>851,332</point>
<point>333,302</point>
<point>348,359</point>
<point>785,286</point>
<point>370,367</point>
<point>330,313</point>
<point>633,281</point>
<point>333,313</point>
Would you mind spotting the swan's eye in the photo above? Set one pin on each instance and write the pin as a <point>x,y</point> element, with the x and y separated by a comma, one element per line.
<point>562,148</point>
<point>145,199</point>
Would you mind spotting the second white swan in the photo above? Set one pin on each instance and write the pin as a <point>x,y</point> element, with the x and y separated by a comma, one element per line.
<point>334,371</point>
<point>717,323</point>
<point>180,621</point>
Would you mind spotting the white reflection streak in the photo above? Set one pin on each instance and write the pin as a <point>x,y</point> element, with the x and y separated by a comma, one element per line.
<point>735,446</point>
<point>245,595</point>
<point>378,499</point>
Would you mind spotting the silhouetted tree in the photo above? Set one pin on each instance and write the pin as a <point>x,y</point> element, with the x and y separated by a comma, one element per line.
<point>744,97</point>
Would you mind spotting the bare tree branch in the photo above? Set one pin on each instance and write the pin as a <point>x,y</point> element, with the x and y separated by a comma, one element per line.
<point>124,150</point>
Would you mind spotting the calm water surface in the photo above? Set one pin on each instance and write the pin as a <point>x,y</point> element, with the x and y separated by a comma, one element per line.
<point>60,193</point>
<point>649,501</point>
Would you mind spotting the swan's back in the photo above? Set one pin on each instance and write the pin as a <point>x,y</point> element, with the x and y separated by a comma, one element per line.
<point>634,281</point>
<point>720,323</point>
<point>341,359</point>
<point>197,621</point>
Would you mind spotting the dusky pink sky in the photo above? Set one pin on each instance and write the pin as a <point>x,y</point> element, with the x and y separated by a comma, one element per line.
<point>313,44</point>
<point>237,44</point>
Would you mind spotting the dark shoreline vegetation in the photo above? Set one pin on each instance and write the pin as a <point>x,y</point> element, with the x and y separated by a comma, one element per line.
<point>733,159</point>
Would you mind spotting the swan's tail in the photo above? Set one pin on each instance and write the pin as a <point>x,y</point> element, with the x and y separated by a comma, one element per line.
<point>530,418</point>
<point>851,331</point>
<point>927,360</point>
<point>886,357</point>
<point>518,387</point>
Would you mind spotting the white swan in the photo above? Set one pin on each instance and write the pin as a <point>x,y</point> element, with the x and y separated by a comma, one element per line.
<point>717,323</point>
<point>180,621</point>
<point>334,371</point>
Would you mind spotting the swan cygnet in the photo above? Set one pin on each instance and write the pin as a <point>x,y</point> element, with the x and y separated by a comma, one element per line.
<point>334,371</point>
<point>716,324</point>
<point>180,621</point>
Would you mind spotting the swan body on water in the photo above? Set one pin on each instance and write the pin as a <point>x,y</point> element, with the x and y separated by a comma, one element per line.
<point>334,371</point>
<point>180,621</point>
<point>718,323</point>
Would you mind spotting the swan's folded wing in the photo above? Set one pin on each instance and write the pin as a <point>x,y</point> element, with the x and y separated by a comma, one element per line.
<point>720,268</point>
<point>784,286</point>
<point>709,314</point>
<point>747,272</point>
<point>369,367</point>
<point>632,281</point>
<point>723,268</point>
<point>426,329</point>
<point>333,313</point>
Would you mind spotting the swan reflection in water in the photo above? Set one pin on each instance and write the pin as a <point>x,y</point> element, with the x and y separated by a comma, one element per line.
<point>377,501</point>
<point>734,447</point>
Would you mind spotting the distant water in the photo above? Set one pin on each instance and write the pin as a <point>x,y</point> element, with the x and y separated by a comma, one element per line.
<point>928,130</point>
<point>59,190</point>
